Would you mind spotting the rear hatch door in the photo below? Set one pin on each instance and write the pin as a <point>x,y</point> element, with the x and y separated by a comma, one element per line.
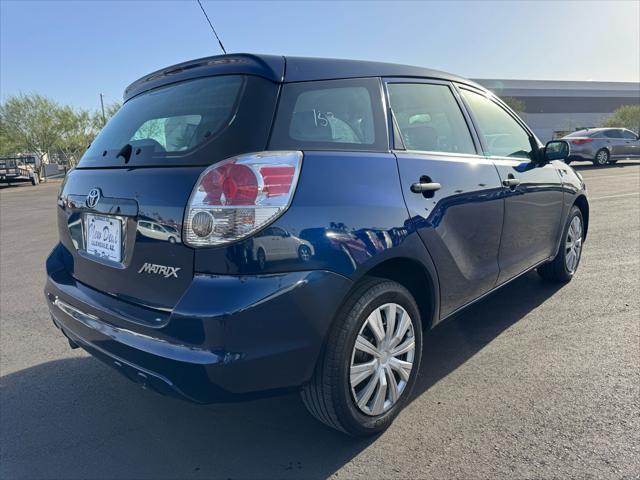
<point>129,242</point>
<point>121,211</point>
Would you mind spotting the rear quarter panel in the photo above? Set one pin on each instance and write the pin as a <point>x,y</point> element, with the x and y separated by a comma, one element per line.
<point>348,206</point>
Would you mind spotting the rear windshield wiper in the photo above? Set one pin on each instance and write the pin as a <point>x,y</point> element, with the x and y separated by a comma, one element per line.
<point>125,152</point>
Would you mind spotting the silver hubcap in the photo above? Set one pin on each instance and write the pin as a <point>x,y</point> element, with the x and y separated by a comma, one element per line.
<point>382,359</point>
<point>573,245</point>
<point>602,157</point>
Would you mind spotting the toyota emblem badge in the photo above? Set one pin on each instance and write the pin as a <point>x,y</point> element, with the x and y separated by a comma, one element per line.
<point>93,197</point>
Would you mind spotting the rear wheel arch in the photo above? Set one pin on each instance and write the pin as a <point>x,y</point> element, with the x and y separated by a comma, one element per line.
<point>582,203</point>
<point>416,278</point>
<point>412,275</point>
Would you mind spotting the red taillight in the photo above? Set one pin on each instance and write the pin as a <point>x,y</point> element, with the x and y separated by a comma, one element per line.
<point>236,197</point>
<point>230,184</point>
<point>581,141</point>
<point>277,179</point>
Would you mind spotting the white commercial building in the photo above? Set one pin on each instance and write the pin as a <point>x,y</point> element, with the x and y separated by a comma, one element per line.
<point>553,108</point>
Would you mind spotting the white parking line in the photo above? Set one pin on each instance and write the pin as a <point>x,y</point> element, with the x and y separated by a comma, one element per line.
<point>593,177</point>
<point>615,196</point>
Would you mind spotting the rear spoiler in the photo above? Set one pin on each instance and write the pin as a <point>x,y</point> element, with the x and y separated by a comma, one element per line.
<point>271,67</point>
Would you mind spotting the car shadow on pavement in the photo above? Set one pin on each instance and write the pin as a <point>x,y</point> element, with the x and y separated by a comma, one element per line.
<point>454,341</point>
<point>582,166</point>
<point>76,418</point>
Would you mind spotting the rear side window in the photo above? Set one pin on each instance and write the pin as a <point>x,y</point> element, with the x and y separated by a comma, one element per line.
<point>502,134</point>
<point>613,133</point>
<point>331,115</point>
<point>429,118</point>
<point>196,121</point>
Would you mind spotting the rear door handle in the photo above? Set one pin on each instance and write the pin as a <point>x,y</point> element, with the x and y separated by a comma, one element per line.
<point>422,187</point>
<point>511,182</point>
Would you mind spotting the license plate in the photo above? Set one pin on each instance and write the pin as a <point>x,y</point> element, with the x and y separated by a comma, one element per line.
<point>104,237</point>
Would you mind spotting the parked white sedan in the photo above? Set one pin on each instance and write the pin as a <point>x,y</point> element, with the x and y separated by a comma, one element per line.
<point>275,243</point>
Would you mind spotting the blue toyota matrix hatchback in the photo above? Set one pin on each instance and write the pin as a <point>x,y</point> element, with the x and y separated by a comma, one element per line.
<point>249,224</point>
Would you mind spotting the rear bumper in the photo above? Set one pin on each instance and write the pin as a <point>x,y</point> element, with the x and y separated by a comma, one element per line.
<point>229,337</point>
<point>13,178</point>
<point>582,153</point>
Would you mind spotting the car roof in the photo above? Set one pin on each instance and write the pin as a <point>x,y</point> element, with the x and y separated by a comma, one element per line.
<point>282,69</point>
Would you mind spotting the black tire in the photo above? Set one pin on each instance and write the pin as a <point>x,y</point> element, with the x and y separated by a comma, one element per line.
<point>556,270</point>
<point>328,395</point>
<point>602,157</point>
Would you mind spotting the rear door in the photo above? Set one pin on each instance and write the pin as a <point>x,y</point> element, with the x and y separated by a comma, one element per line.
<point>533,193</point>
<point>631,144</point>
<point>617,143</point>
<point>452,192</point>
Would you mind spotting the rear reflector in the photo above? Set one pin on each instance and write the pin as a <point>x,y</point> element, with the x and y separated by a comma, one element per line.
<point>236,197</point>
<point>581,141</point>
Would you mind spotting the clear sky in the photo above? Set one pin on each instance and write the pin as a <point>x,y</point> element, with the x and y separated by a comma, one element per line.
<point>73,50</point>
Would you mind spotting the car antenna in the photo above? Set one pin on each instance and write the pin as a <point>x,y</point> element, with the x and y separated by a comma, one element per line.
<point>211,25</point>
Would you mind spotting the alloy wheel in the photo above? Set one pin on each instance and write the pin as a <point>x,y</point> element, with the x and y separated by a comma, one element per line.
<point>602,157</point>
<point>382,359</point>
<point>573,244</point>
<point>304,253</point>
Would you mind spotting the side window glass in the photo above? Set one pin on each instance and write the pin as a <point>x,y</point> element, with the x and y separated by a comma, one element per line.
<point>342,114</point>
<point>429,118</point>
<point>629,135</point>
<point>503,136</point>
<point>612,133</point>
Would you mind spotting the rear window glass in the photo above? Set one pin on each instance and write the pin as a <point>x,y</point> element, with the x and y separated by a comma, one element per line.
<point>172,124</point>
<point>331,115</point>
<point>172,133</point>
<point>580,133</point>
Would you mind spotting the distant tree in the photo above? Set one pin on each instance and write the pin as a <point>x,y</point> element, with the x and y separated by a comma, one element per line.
<point>8,144</point>
<point>515,104</point>
<point>30,123</point>
<point>627,116</point>
<point>34,123</point>
<point>109,111</point>
<point>77,132</point>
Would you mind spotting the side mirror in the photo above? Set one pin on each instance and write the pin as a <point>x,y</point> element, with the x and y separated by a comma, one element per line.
<point>555,150</point>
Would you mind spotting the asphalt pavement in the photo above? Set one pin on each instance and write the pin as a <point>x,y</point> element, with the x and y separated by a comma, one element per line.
<point>536,381</point>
